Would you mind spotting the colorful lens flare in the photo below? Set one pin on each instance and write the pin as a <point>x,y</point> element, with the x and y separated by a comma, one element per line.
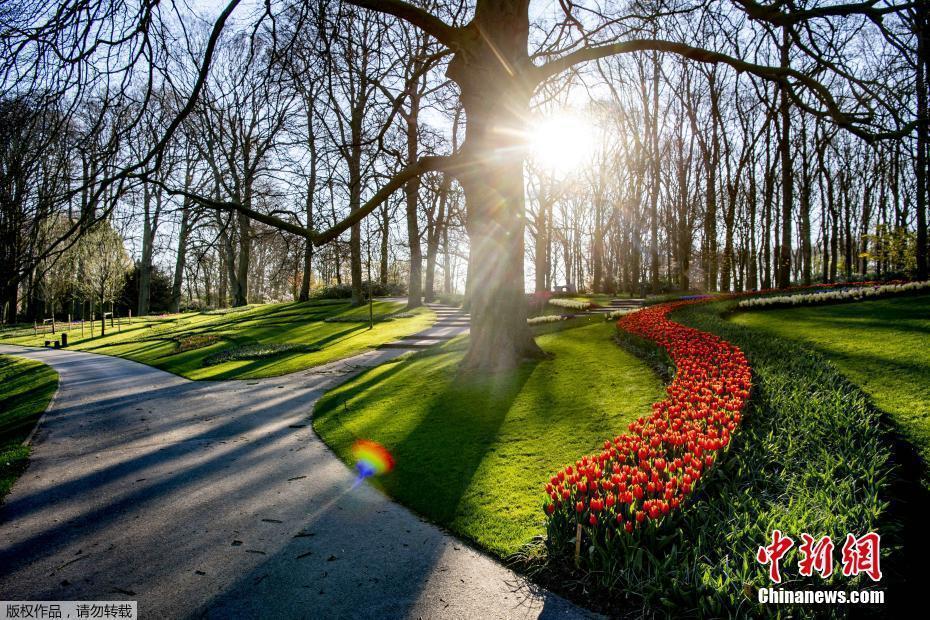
<point>371,458</point>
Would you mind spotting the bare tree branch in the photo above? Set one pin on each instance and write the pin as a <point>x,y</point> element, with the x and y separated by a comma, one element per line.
<point>421,166</point>
<point>782,75</point>
<point>424,20</point>
<point>424,164</point>
<point>774,14</point>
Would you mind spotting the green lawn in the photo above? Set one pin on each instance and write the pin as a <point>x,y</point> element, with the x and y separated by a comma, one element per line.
<point>188,344</point>
<point>883,346</point>
<point>473,453</point>
<point>26,387</point>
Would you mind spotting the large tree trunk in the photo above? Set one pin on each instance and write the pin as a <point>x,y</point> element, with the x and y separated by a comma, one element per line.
<point>496,106</point>
<point>804,204</point>
<point>308,245</point>
<point>752,273</point>
<point>307,272</point>
<point>355,202</point>
<point>385,243</point>
<point>920,161</point>
<point>654,189</point>
<point>726,267</point>
<point>710,229</point>
<point>768,197</point>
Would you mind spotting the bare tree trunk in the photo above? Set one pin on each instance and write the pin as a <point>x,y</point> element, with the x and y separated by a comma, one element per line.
<point>804,203</point>
<point>435,235</point>
<point>241,293</point>
<point>446,263</point>
<point>787,176</point>
<point>654,189</point>
<point>922,24</point>
<point>145,261</point>
<point>385,245</point>
<point>355,202</point>
<point>180,261</point>
<point>304,294</point>
<point>412,196</point>
<point>768,198</point>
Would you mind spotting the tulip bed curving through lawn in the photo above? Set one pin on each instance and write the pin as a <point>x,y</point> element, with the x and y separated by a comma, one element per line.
<point>809,455</point>
<point>244,343</point>
<point>26,387</point>
<point>613,498</point>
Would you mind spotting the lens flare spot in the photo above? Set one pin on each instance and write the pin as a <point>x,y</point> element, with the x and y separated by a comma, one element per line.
<point>371,459</point>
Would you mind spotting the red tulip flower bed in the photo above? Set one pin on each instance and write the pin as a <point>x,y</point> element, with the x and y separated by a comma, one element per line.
<point>642,477</point>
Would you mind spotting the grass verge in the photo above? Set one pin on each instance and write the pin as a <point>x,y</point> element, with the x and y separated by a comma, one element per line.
<point>298,333</point>
<point>26,387</point>
<point>883,346</point>
<point>473,452</point>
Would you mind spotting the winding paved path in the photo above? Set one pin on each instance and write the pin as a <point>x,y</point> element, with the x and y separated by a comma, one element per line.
<point>216,499</point>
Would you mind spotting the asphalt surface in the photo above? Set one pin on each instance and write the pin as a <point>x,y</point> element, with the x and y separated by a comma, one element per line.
<point>217,499</point>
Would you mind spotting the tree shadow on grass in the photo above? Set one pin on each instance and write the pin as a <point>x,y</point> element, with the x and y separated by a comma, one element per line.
<point>904,523</point>
<point>439,457</point>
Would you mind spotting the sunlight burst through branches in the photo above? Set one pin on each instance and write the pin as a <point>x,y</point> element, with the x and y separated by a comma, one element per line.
<point>562,143</point>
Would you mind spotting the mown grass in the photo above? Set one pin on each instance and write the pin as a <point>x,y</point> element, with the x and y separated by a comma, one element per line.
<point>473,452</point>
<point>26,387</point>
<point>883,346</point>
<point>182,343</point>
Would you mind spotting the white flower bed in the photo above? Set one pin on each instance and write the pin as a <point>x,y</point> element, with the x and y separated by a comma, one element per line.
<point>616,314</point>
<point>850,294</point>
<point>548,318</point>
<point>571,304</point>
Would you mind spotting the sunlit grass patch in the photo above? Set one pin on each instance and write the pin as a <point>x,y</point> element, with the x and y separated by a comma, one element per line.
<point>159,340</point>
<point>883,346</point>
<point>473,451</point>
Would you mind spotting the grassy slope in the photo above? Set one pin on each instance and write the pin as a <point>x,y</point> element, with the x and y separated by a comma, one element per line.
<point>26,387</point>
<point>883,346</point>
<point>155,341</point>
<point>474,453</point>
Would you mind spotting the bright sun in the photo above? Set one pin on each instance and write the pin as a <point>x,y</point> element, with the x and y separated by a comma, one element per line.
<point>562,144</point>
